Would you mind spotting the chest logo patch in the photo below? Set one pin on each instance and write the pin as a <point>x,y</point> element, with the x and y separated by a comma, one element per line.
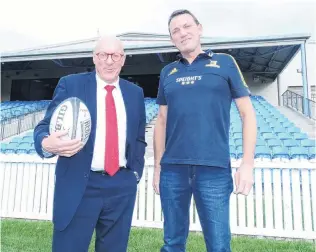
<point>189,80</point>
<point>213,63</point>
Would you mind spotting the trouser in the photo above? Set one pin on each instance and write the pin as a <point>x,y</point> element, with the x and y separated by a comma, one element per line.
<point>211,188</point>
<point>106,207</point>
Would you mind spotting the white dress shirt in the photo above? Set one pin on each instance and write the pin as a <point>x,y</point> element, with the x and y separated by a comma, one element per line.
<point>99,146</point>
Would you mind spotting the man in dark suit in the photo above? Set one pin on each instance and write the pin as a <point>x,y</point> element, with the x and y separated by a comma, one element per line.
<point>96,183</point>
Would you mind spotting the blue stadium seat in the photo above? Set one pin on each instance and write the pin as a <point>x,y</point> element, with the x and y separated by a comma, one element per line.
<point>235,121</point>
<point>3,147</point>
<point>271,120</point>
<point>265,129</point>
<point>282,120</point>
<point>30,133</point>
<point>274,142</point>
<point>238,142</point>
<point>239,152</point>
<point>237,135</point>
<point>300,136</point>
<point>278,129</point>
<point>237,139</point>
<point>280,152</point>
<point>268,136</point>
<point>299,152</point>
<point>263,112</point>
<point>32,151</point>
<point>284,136</point>
<point>27,137</point>
<point>15,140</point>
<point>27,140</point>
<point>308,143</point>
<point>312,152</point>
<point>11,148</point>
<point>288,124</point>
<point>232,151</point>
<point>261,120</point>
<point>12,109</point>
<point>151,109</point>
<point>262,152</point>
<point>261,142</point>
<point>237,128</point>
<point>293,130</point>
<point>275,131</point>
<point>23,148</point>
<point>290,143</point>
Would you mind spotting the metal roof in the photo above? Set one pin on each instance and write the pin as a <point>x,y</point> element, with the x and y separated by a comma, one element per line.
<point>266,56</point>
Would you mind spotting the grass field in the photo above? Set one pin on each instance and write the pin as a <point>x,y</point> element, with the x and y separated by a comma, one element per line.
<point>35,236</point>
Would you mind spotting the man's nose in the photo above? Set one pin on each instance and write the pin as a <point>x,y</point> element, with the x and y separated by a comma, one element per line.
<point>183,33</point>
<point>109,60</point>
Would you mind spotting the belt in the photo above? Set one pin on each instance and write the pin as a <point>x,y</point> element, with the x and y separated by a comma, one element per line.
<point>103,172</point>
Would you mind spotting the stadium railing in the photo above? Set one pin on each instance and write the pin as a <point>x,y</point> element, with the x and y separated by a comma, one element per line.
<point>295,101</point>
<point>19,124</point>
<point>282,202</point>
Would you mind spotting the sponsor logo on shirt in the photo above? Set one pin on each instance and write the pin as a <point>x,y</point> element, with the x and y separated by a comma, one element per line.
<point>189,80</point>
<point>213,63</point>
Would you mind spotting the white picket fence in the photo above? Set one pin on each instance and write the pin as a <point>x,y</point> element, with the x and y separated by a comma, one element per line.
<point>281,204</point>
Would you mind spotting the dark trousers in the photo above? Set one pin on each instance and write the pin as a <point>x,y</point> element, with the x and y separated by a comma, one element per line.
<point>106,207</point>
<point>211,188</point>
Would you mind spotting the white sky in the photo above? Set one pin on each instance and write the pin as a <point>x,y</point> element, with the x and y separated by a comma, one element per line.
<point>30,23</point>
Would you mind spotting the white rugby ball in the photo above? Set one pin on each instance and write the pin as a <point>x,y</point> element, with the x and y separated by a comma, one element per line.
<point>73,116</point>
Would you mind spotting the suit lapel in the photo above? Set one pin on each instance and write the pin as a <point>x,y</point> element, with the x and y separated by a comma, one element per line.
<point>90,89</point>
<point>126,98</point>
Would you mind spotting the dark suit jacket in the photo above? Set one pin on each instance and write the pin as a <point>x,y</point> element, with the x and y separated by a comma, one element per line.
<point>72,173</point>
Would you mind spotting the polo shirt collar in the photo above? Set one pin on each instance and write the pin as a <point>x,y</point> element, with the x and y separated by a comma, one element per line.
<point>207,53</point>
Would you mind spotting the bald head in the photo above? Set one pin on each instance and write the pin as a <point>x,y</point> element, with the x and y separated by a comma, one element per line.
<point>109,43</point>
<point>108,58</point>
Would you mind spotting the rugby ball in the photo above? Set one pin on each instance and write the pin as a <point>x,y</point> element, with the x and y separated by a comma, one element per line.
<point>73,116</point>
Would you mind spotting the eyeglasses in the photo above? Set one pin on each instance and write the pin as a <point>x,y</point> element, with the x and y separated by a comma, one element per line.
<point>114,56</point>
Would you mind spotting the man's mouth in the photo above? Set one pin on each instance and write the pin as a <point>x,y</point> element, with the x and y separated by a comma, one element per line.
<point>185,41</point>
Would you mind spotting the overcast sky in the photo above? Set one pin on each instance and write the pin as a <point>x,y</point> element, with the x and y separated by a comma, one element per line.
<point>31,23</point>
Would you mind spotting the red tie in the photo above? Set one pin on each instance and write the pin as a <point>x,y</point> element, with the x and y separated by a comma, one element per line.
<point>111,163</point>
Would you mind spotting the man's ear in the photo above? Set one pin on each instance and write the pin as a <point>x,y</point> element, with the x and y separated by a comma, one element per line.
<point>172,40</point>
<point>123,60</point>
<point>200,27</point>
<point>94,59</point>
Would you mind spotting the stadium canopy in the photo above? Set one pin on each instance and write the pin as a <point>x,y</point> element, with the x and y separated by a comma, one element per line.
<point>263,56</point>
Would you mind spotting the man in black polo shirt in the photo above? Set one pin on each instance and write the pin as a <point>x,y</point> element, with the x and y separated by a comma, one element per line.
<point>191,138</point>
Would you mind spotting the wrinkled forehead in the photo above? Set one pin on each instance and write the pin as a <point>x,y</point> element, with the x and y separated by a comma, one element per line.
<point>181,20</point>
<point>109,45</point>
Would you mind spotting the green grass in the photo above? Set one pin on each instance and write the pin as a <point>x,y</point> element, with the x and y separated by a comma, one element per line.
<point>35,236</point>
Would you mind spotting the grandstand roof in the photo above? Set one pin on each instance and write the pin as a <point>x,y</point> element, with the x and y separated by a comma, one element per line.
<point>264,56</point>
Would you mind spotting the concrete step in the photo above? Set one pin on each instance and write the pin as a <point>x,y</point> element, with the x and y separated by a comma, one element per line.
<point>301,121</point>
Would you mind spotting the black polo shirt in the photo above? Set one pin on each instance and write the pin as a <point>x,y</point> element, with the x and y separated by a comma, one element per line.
<point>199,96</point>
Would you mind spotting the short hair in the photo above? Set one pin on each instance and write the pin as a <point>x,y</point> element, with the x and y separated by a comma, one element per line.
<point>181,12</point>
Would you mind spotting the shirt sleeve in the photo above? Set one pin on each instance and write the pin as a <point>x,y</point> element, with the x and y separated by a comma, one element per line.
<point>238,85</point>
<point>161,98</point>
<point>47,154</point>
